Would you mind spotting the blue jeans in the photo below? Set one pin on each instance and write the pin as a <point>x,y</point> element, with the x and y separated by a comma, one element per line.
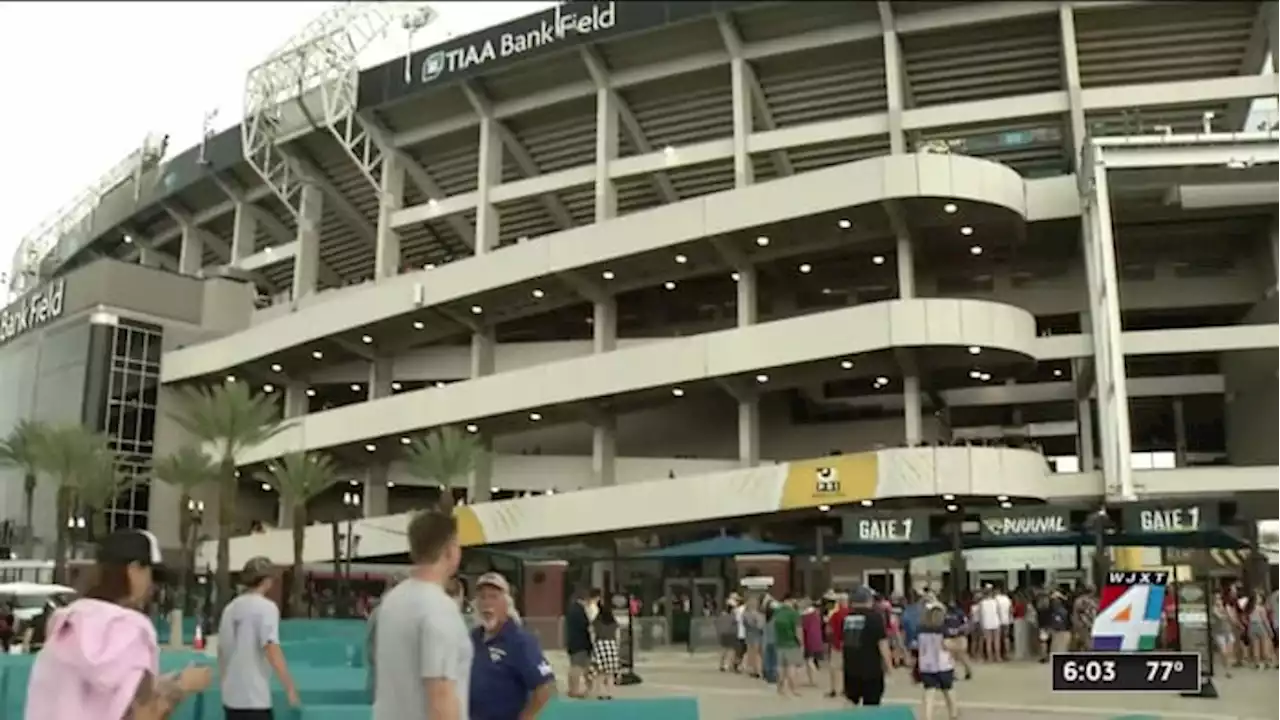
<point>769,656</point>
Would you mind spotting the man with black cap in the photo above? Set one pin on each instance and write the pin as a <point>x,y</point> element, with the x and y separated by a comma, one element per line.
<point>249,647</point>
<point>510,677</point>
<point>867,658</point>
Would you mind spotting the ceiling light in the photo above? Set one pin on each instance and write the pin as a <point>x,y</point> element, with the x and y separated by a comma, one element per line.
<point>266,486</point>
<point>846,364</point>
<point>370,447</point>
<point>805,268</point>
<point>985,377</point>
<point>128,239</point>
<point>762,378</point>
<point>882,380</point>
<point>877,259</point>
<point>405,441</point>
<point>396,386</point>
<point>1006,505</point>
<point>736,277</point>
<point>439,383</point>
<point>1002,498</point>
<point>975,250</point>
<point>952,508</point>
<point>473,428</point>
<point>681,259</point>
<point>522,239</point>
<point>824,508</point>
<point>366,339</point>
<point>268,388</point>
<point>1057,372</point>
<point>391,483</point>
<point>607,275</point>
<point>950,208</point>
<point>867,503</point>
<point>429,266</point>
<point>966,230</point>
<point>355,387</point>
<point>677,392</point>
<point>827,291</point>
<point>418,324</point>
<point>476,310</point>
<point>670,285</point>
<point>317,354</point>
<point>535,416</point>
<point>762,241</point>
<point>275,367</point>
<point>844,223</point>
<point>311,392</point>
<point>669,150</point>
<point>537,293</point>
<point>231,378</point>
<point>974,350</point>
<point>948,497</point>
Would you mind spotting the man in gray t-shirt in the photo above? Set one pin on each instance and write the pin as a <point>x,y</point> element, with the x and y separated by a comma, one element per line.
<point>249,647</point>
<point>422,650</point>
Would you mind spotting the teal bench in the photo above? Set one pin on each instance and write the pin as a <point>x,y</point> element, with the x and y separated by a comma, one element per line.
<point>677,708</point>
<point>883,712</point>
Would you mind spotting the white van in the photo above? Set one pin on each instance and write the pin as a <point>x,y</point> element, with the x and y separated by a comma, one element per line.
<point>27,600</point>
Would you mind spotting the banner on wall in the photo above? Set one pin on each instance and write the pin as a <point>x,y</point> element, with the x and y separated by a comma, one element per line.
<point>830,481</point>
<point>885,527</point>
<point>1025,523</point>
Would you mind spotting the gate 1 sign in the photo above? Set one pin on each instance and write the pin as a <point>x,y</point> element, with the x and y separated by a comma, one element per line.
<point>1170,518</point>
<point>1026,523</point>
<point>906,527</point>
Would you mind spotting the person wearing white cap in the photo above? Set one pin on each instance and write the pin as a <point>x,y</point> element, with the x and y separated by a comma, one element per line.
<point>249,647</point>
<point>510,677</point>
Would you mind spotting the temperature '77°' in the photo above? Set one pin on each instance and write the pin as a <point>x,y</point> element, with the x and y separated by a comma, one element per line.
<point>1160,670</point>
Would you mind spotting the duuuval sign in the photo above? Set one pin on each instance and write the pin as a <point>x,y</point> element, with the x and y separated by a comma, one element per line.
<point>559,25</point>
<point>32,310</point>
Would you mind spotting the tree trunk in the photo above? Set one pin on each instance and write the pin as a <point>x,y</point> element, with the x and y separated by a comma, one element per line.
<point>62,512</point>
<point>299,531</point>
<point>97,524</point>
<point>29,513</point>
<point>226,527</point>
<point>187,538</point>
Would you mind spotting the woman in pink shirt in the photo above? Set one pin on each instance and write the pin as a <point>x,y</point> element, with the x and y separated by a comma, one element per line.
<point>815,649</point>
<point>100,659</point>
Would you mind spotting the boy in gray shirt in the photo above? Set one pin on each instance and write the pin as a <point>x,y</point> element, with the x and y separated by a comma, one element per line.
<point>249,647</point>
<point>421,650</point>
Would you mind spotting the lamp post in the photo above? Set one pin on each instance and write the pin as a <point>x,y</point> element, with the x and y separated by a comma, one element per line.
<point>195,518</point>
<point>76,525</point>
<point>351,501</point>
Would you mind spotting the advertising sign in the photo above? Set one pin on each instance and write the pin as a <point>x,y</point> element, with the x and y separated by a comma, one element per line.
<point>886,527</point>
<point>40,306</point>
<point>1029,523</point>
<point>1170,517</point>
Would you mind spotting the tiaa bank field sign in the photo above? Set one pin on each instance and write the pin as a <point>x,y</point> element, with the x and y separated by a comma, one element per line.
<point>40,306</point>
<point>564,22</point>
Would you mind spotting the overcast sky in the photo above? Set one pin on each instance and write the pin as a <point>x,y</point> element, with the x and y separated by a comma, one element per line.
<point>95,78</point>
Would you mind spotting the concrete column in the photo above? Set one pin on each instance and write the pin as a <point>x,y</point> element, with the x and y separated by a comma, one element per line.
<point>374,493</point>
<point>604,460</point>
<point>906,268</point>
<point>895,90</point>
<point>740,77</point>
<point>148,257</point>
<point>387,253</point>
<point>912,424</point>
<point>748,297</point>
<point>606,153</point>
<point>1179,433</point>
<point>191,251</point>
<point>244,232</point>
<point>1084,436</point>
<point>1269,19</point>
<point>306,263</point>
<point>604,326</point>
<point>488,221</point>
<point>481,485</point>
<point>482,352</point>
<point>749,432</point>
<point>1071,80</point>
<point>295,400</point>
<point>380,378</point>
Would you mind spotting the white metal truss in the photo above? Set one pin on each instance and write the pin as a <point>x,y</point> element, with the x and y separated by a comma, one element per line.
<point>77,216</point>
<point>313,81</point>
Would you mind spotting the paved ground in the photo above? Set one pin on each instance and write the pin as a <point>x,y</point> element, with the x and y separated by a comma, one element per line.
<point>1015,691</point>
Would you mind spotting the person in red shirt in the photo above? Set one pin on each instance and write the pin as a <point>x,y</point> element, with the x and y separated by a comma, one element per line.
<point>835,638</point>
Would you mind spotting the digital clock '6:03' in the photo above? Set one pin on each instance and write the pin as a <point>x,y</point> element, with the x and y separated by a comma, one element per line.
<point>1126,672</point>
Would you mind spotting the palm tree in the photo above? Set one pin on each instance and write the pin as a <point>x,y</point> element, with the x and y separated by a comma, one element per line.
<point>299,477</point>
<point>187,469</point>
<point>98,483</point>
<point>446,455</point>
<point>21,450</point>
<point>69,455</point>
<point>232,419</point>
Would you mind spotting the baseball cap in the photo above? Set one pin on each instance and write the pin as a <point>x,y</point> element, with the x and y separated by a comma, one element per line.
<point>862,594</point>
<point>125,547</point>
<point>493,580</point>
<point>256,570</point>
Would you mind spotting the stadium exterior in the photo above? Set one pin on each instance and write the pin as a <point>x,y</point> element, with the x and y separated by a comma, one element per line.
<point>992,249</point>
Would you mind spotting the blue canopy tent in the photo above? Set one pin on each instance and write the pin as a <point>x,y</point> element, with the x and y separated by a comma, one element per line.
<point>724,546</point>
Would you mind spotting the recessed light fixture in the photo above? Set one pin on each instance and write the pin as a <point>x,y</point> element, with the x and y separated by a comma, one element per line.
<point>355,387</point>
<point>975,374</point>
<point>882,380</point>
<point>607,275</point>
<point>266,486</point>
<point>128,239</point>
<point>677,392</point>
<point>877,259</point>
<point>440,383</point>
<point>824,508</point>
<point>670,285</point>
<point>231,378</point>
<point>1002,498</point>
<point>975,250</point>
<point>762,378</point>
<point>396,386</point>
<point>1006,505</point>
<point>473,428</point>
<point>867,503</point>
<point>1057,372</point>
<point>736,276</point>
<point>846,364</point>
<point>418,324</point>
<point>476,310</point>
<point>681,259</point>
<point>405,441</point>
<point>974,350</point>
<point>429,266</point>
<point>948,497</point>
<point>950,208</point>
<point>268,388</point>
<point>762,241</point>
<point>985,377</point>
<point>537,293</point>
<point>391,483</point>
<point>275,367</point>
<point>966,230</point>
<point>669,150</point>
<point>366,339</point>
<point>535,416</point>
<point>844,223</point>
<point>317,354</point>
<point>805,268</point>
<point>311,392</point>
<point>370,447</point>
<point>952,508</point>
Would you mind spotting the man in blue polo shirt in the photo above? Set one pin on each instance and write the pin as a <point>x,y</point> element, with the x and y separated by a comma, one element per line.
<point>510,677</point>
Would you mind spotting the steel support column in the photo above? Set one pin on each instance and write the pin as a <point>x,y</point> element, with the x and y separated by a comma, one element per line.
<point>1084,435</point>
<point>606,152</point>
<point>489,176</point>
<point>191,251</point>
<point>306,262</point>
<point>604,450</point>
<point>243,233</point>
<point>749,430</point>
<point>387,256</point>
<point>743,169</point>
<point>1071,80</point>
<point>895,82</point>
<point>604,325</point>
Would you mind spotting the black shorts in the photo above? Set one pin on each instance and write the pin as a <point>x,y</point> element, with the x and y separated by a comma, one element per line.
<point>234,714</point>
<point>944,680</point>
<point>863,690</point>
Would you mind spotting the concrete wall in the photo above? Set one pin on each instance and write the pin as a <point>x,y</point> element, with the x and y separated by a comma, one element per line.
<point>1251,397</point>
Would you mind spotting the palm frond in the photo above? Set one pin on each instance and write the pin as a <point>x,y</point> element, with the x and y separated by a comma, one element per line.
<point>299,477</point>
<point>186,469</point>
<point>21,448</point>
<point>444,456</point>
<point>67,450</point>
<point>229,416</point>
<point>100,481</point>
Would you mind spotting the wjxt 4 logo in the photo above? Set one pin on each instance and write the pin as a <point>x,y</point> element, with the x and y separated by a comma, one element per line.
<point>826,481</point>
